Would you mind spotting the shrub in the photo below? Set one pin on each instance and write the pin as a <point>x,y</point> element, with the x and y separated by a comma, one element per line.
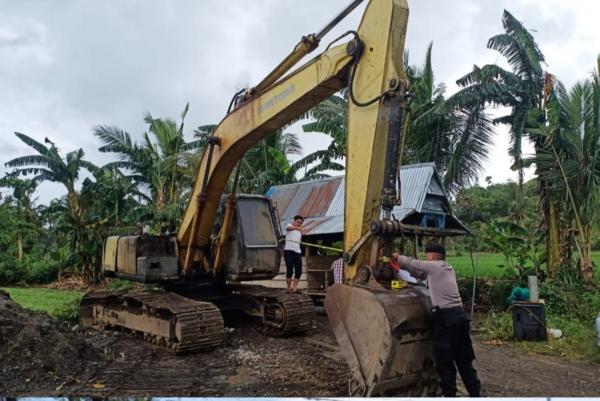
<point>68,311</point>
<point>490,294</point>
<point>11,271</point>
<point>571,299</point>
<point>40,271</point>
<point>117,284</point>
<point>30,270</point>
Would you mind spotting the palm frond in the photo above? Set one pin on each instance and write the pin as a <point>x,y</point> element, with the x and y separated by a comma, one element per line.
<point>114,138</point>
<point>204,130</point>
<point>289,144</point>
<point>89,166</point>
<point>29,161</point>
<point>30,171</point>
<point>41,149</point>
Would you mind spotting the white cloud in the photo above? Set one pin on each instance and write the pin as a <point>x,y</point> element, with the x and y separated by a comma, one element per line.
<point>65,69</point>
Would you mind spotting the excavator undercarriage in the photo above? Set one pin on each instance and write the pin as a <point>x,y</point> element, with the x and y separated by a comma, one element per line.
<point>181,324</point>
<point>186,325</point>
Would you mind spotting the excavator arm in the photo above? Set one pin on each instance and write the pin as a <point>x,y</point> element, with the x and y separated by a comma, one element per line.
<point>371,65</point>
<point>260,115</point>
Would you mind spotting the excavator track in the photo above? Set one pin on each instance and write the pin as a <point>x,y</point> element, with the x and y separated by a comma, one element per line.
<point>282,314</point>
<point>181,324</point>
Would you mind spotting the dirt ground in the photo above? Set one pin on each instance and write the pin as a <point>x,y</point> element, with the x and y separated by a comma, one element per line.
<point>39,356</point>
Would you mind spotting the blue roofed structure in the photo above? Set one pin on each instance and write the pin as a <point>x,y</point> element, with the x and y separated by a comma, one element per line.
<point>424,209</point>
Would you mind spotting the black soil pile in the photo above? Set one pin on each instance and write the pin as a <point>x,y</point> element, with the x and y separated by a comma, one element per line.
<point>39,351</point>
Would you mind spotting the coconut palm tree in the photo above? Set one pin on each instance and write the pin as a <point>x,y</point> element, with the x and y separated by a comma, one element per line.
<point>157,165</point>
<point>457,140</point>
<point>521,90</point>
<point>267,164</point>
<point>264,164</point>
<point>330,118</point>
<point>570,159</point>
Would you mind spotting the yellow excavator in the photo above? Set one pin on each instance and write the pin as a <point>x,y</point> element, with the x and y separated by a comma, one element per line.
<point>226,239</point>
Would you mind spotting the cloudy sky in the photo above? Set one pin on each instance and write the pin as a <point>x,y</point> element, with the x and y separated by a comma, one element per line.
<point>66,66</point>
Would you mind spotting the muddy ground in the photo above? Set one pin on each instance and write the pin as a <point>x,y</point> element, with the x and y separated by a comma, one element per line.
<point>39,356</point>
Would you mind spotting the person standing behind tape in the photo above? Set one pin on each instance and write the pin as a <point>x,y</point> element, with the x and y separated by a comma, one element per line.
<point>451,338</point>
<point>337,268</point>
<point>292,254</point>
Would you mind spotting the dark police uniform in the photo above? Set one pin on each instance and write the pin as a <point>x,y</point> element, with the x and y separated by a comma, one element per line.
<point>451,339</point>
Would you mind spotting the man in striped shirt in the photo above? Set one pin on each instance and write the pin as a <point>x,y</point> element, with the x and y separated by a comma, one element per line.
<point>337,267</point>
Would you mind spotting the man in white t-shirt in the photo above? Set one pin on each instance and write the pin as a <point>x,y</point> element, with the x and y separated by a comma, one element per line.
<point>292,254</point>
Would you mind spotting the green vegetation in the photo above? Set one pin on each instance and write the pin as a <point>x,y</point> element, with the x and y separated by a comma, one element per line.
<point>60,304</point>
<point>490,265</point>
<point>577,342</point>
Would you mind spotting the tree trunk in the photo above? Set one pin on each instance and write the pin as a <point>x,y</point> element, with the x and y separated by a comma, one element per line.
<point>586,267</point>
<point>19,247</point>
<point>160,198</point>
<point>553,247</point>
<point>75,209</point>
<point>519,211</point>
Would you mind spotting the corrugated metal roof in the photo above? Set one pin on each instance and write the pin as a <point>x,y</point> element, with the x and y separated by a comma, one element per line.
<point>319,225</point>
<point>336,207</point>
<point>308,199</point>
<point>414,180</point>
<point>321,202</point>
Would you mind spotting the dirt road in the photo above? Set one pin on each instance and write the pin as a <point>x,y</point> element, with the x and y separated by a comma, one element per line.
<point>248,364</point>
<point>504,372</point>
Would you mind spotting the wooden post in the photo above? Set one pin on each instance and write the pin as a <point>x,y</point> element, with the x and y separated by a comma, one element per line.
<point>415,247</point>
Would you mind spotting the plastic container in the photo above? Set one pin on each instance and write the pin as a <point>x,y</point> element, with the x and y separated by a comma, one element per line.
<point>532,283</point>
<point>529,321</point>
<point>555,333</point>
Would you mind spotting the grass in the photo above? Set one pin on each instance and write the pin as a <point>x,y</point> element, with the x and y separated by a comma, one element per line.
<point>60,304</point>
<point>578,340</point>
<point>489,264</point>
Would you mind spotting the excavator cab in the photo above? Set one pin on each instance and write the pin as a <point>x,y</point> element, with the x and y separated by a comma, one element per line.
<point>253,251</point>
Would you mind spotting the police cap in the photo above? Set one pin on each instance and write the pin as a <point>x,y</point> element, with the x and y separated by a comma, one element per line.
<point>435,248</point>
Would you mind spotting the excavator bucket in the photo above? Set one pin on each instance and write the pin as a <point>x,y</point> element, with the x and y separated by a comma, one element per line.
<point>386,338</point>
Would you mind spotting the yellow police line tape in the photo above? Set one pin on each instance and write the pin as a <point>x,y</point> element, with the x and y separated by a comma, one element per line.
<point>329,248</point>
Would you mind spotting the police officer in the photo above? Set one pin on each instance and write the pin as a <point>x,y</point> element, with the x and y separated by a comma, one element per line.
<point>451,340</point>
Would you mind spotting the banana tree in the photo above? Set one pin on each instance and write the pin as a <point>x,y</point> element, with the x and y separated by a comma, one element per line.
<point>48,165</point>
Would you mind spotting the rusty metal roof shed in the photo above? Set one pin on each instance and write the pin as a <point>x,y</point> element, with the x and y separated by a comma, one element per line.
<point>321,202</point>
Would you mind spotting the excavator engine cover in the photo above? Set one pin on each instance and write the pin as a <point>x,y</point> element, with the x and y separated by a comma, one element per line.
<point>144,258</point>
<point>386,338</point>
